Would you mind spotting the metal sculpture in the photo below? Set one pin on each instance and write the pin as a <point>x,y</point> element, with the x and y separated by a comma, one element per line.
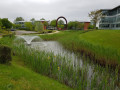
<point>65,23</point>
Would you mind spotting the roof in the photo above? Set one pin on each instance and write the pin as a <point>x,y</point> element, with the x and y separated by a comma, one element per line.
<point>110,9</point>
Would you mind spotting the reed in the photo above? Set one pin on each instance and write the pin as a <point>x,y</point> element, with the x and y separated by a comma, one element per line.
<point>61,69</point>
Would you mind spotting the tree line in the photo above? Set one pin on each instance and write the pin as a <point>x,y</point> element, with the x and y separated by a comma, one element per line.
<point>39,26</point>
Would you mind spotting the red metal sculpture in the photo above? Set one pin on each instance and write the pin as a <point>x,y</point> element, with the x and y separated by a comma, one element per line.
<point>65,24</point>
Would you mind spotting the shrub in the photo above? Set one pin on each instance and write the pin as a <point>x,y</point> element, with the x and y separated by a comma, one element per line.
<point>5,54</point>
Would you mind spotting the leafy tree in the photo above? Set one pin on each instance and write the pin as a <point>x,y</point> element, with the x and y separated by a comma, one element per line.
<point>39,27</point>
<point>6,23</point>
<point>95,16</point>
<point>29,25</point>
<point>33,19</point>
<point>75,25</point>
<point>80,25</point>
<point>46,23</point>
<point>53,23</point>
<point>19,19</point>
<point>91,27</point>
<point>17,26</point>
<point>72,25</point>
<point>0,23</point>
<point>60,22</point>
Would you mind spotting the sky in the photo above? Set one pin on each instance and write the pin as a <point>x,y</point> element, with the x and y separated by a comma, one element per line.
<point>52,9</point>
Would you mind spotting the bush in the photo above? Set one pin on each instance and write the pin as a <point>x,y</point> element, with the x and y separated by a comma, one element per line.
<point>5,54</point>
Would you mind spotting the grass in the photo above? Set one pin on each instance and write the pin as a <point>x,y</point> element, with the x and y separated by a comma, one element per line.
<point>4,32</point>
<point>60,68</point>
<point>106,38</point>
<point>18,77</point>
<point>101,46</point>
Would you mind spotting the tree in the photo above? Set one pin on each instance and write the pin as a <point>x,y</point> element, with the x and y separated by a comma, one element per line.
<point>95,16</point>
<point>29,25</point>
<point>33,19</point>
<point>6,23</point>
<point>53,23</point>
<point>39,27</point>
<point>0,23</point>
<point>16,26</point>
<point>73,25</point>
<point>60,22</point>
<point>19,19</point>
<point>46,23</point>
<point>80,25</point>
<point>91,26</point>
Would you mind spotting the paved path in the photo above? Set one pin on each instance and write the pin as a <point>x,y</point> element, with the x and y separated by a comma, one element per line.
<point>20,32</point>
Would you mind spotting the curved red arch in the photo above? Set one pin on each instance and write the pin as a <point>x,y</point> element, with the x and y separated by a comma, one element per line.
<point>65,21</point>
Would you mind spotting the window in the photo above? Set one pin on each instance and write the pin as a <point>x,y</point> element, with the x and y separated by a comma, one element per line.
<point>117,25</point>
<point>118,10</point>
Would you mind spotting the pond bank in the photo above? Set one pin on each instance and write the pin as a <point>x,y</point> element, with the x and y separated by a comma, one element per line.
<point>101,54</point>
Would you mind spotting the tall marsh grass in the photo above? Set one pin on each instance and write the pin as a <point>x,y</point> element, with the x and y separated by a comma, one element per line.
<point>60,68</point>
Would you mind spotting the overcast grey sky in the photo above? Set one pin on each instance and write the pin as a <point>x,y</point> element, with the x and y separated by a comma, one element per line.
<point>51,9</point>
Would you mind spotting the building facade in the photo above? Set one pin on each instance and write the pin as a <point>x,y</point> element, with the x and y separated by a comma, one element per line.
<point>22,23</point>
<point>110,18</point>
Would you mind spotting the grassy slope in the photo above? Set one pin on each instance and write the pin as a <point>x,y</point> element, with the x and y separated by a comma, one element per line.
<point>100,45</point>
<point>18,77</point>
<point>106,38</point>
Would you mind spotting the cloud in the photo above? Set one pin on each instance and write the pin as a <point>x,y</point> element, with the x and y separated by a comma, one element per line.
<point>51,9</point>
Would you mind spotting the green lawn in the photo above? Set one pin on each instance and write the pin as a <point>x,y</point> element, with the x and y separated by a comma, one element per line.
<point>18,77</point>
<point>106,38</point>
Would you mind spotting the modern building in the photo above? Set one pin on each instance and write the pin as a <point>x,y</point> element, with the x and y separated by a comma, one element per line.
<point>110,18</point>
<point>22,23</point>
